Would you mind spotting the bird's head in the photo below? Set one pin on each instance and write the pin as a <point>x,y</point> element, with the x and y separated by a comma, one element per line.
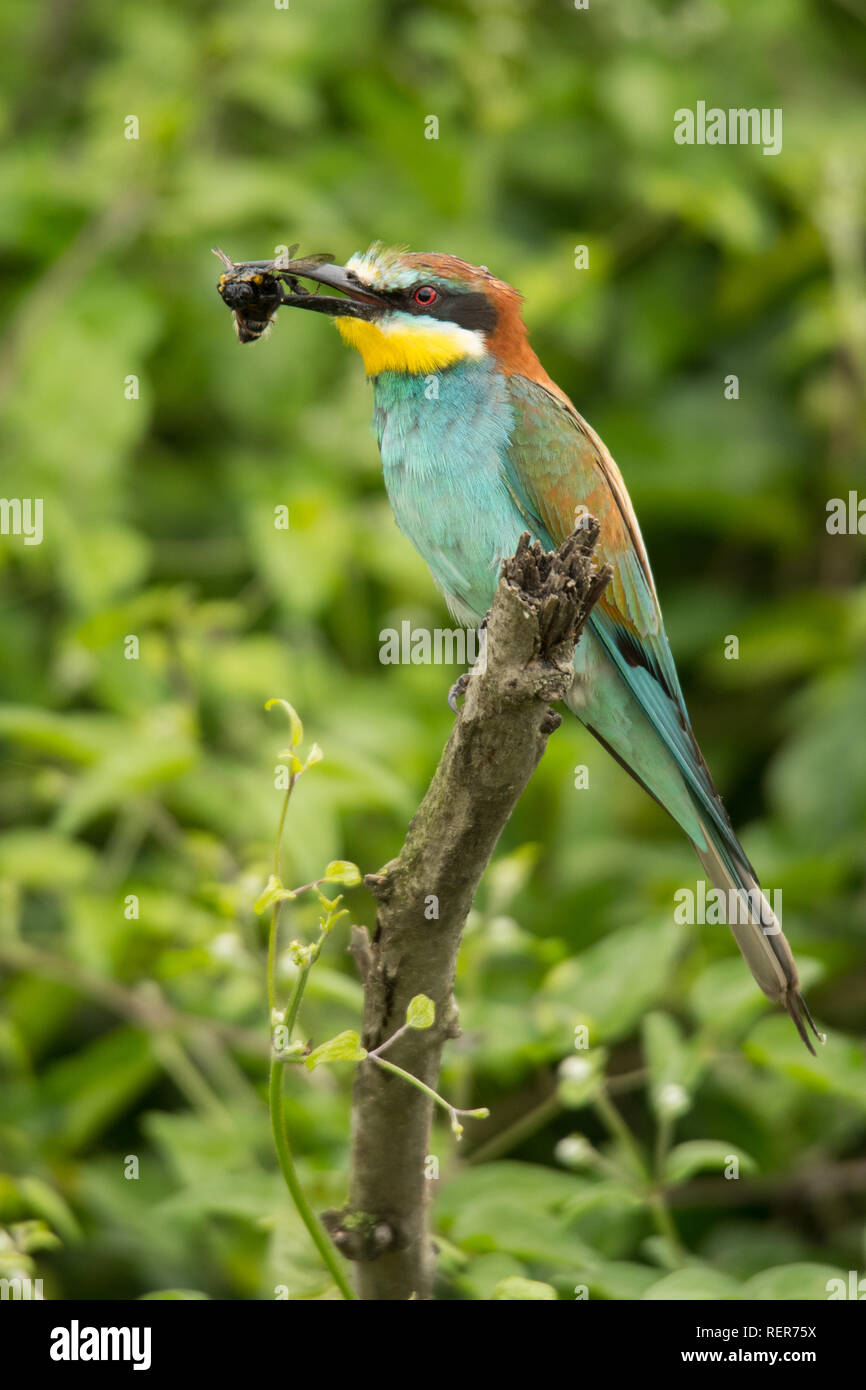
<point>418,314</point>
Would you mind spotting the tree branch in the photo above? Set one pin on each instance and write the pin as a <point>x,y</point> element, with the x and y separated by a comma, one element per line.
<point>541,605</point>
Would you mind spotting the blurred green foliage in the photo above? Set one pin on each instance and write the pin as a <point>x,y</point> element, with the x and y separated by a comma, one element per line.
<point>133,1128</point>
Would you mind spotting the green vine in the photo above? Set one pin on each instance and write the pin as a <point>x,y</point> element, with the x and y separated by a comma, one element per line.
<point>346,1046</point>
<point>273,897</point>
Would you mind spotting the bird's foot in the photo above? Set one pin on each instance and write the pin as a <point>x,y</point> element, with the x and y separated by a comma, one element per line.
<point>459,688</point>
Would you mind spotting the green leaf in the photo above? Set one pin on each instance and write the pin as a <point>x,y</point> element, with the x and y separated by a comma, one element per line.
<point>43,859</point>
<point>342,871</point>
<point>621,1280</point>
<point>195,1153</point>
<point>295,724</point>
<point>273,892</point>
<point>345,1047</point>
<point>328,923</point>
<point>253,1196</point>
<point>49,1204</point>
<point>155,754</point>
<point>702,1155</point>
<point>838,1070</point>
<point>420,1012</point>
<point>77,738</point>
<point>724,995</point>
<point>742,1248</point>
<point>611,984</point>
<point>808,1281</point>
<point>14,1264</point>
<point>594,1195</point>
<point>699,1283</point>
<point>526,1290</point>
<point>514,1208</point>
<point>480,1276</point>
<point>88,1091</point>
<point>30,1236</point>
<point>328,903</point>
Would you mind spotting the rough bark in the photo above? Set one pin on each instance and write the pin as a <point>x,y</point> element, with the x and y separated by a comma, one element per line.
<point>542,602</point>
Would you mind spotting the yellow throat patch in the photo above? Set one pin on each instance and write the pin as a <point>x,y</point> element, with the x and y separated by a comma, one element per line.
<point>416,348</point>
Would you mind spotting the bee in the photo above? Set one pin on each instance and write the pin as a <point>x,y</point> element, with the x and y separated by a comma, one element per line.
<point>254,290</point>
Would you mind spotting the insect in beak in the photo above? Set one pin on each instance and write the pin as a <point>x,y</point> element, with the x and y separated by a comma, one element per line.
<point>255,290</point>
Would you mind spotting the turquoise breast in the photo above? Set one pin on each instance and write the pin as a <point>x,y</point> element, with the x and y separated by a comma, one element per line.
<point>441,438</point>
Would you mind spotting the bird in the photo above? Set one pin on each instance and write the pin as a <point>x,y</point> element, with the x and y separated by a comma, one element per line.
<point>479,445</point>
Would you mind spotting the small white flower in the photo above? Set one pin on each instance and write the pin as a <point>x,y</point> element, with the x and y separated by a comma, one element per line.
<point>576,1069</point>
<point>673,1099</point>
<point>573,1151</point>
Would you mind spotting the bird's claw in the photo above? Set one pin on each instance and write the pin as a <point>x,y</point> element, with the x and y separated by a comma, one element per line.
<point>458,688</point>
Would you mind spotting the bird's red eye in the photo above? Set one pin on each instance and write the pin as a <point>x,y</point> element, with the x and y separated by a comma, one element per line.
<point>425,295</point>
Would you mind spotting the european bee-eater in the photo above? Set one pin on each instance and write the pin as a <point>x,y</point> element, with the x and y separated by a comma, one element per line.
<point>478,444</point>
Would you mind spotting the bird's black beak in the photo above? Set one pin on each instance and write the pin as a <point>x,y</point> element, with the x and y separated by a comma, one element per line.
<point>360,302</point>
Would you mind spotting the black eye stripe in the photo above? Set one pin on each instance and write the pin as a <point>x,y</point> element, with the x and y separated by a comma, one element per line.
<point>471,310</point>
